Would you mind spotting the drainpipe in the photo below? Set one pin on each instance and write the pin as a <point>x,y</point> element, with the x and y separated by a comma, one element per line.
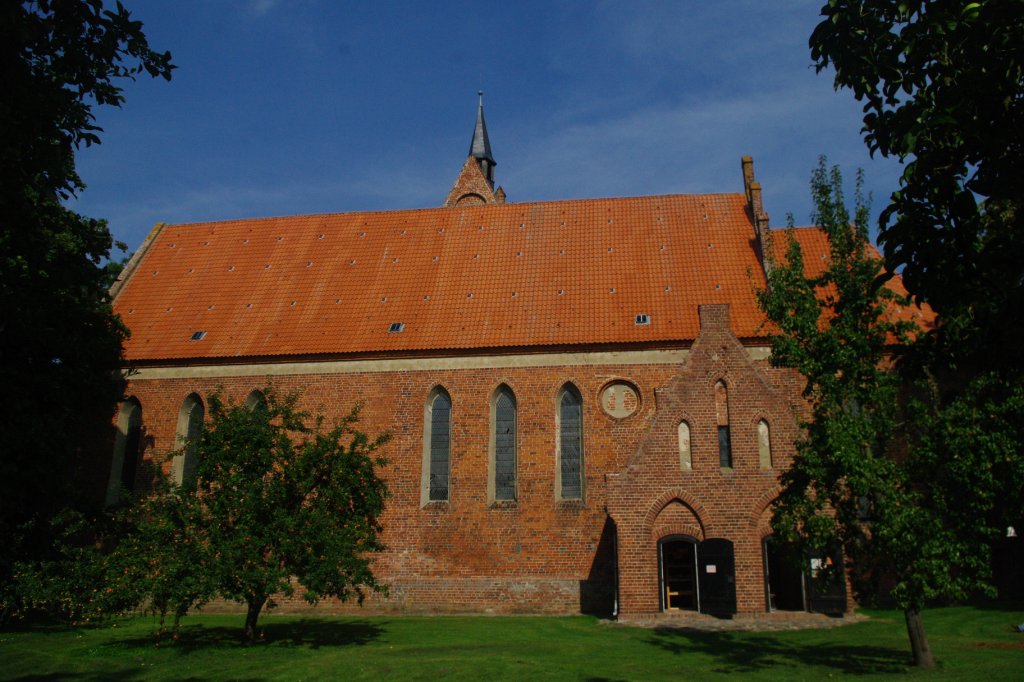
<point>615,550</point>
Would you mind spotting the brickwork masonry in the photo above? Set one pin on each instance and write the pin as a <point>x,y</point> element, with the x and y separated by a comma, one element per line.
<point>539,554</point>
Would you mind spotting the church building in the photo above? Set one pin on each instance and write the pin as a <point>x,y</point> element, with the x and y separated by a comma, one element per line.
<point>582,411</point>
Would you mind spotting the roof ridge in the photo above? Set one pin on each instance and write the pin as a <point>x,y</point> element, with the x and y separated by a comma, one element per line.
<point>506,206</point>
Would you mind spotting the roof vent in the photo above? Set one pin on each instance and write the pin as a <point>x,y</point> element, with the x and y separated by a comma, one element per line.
<point>198,336</point>
<point>396,327</point>
<point>643,319</point>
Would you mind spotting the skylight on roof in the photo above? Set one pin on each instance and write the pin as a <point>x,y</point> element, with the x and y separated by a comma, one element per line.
<point>643,319</point>
<point>396,327</point>
<point>198,336</point>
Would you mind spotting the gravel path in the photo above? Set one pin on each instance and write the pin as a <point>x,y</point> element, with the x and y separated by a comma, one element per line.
<point>759,622</point>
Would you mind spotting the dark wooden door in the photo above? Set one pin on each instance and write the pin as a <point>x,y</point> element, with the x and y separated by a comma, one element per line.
<point>716,574</point>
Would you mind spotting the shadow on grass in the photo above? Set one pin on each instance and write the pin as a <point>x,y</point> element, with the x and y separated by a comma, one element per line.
<point>123,676</point>
<point>1009,605</point>
<point>310,633</point>
<point>749,653</point>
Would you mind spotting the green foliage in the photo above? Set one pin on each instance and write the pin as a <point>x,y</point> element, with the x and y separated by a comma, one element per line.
<point>163,557</point>
<point>79,580</point>
<point>834,328</point>
<point>276,498</point>
<point>60,345</point>
<point>942,82</point>
<point>943,89</point>
<point>864,472</point>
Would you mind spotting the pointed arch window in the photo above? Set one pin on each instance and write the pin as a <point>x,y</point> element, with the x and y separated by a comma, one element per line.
<point>685,453</point>
<point>722,417</point>
<point>437,423</point>
<point>127,441</point>
<point>503,444</point>
<point>764,444</point>
<point>570,444</point>
<point>255,400</point>
<point>190,424</point>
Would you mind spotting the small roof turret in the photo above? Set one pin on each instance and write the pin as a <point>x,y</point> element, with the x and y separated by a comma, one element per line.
<point>480,147</point>
<point>475,184</point>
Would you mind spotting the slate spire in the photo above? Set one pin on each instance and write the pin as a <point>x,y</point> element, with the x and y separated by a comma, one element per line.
<point>480,147</point>
<point>475,184</point>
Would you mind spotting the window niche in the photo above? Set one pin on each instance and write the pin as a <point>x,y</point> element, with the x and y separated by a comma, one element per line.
<point>190,424</point>
<point>722,418</point>
<point>255,400</point>
<point>764,445</point>
<point>685,455</point>
<point>620,399</point>
<point>503,446</point>
<point>437,425</point>
<point>125,460</point>
<point>569,472</point>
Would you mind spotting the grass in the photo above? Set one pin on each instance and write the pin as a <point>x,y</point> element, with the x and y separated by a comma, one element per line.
<point>970,643</point>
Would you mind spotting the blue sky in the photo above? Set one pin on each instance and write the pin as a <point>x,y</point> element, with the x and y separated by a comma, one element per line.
<point>283,107</point>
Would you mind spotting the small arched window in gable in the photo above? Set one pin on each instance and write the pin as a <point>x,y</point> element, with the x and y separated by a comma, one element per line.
<point>503,444</point>
<point>437,425</point>
<point>190,425</point>
<point>722,418</point>
<point>570,444</point>
<point>127,441</point>
<point>685,456</point>
<point>764,444</point>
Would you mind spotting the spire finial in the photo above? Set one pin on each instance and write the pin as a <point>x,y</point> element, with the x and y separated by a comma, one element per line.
<point>480,146</point>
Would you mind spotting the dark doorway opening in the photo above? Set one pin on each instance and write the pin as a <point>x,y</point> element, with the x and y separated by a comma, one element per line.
<point>826,582</point>
<point>716,570</point>
<point>697,576</point>
<point>783,577</point>
<point>679,574</point>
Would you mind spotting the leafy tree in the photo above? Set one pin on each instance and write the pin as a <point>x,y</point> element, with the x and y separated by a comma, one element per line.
<point>896,511</point>
<point>276,499</point>
<point>162,557</point>
<point>60,345</point>
<point>79,580</point>
<point>942,82</point>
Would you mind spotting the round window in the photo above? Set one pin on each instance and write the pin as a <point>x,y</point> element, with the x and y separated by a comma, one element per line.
<point>620,399</point>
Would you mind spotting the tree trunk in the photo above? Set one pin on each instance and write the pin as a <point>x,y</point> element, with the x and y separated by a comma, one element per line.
<point>255,605</point>
<point>918,639</point>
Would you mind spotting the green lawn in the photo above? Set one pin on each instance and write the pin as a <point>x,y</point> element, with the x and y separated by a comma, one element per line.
<point>970,644</point>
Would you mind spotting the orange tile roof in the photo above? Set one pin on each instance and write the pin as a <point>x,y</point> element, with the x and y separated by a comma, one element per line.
<point>815,247</point>
<point>558,273</point>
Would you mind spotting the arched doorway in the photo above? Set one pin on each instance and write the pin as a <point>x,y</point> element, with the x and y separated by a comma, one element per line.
<point>783,576</point>
<point>697,576</point>
<point>798,582</point>
<point>677,560</point>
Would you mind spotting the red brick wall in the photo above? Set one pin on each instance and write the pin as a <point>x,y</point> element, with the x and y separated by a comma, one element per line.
<point>538,554</point>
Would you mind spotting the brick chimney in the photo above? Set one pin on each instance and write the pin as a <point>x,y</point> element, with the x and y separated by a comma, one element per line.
<point>752,190</point>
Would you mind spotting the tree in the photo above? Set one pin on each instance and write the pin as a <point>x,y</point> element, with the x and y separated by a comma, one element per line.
<point>942,82</point>
<point>854,479</point>
<point>161,558</point>
<point>276,499</point>
<point>60,345</point>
